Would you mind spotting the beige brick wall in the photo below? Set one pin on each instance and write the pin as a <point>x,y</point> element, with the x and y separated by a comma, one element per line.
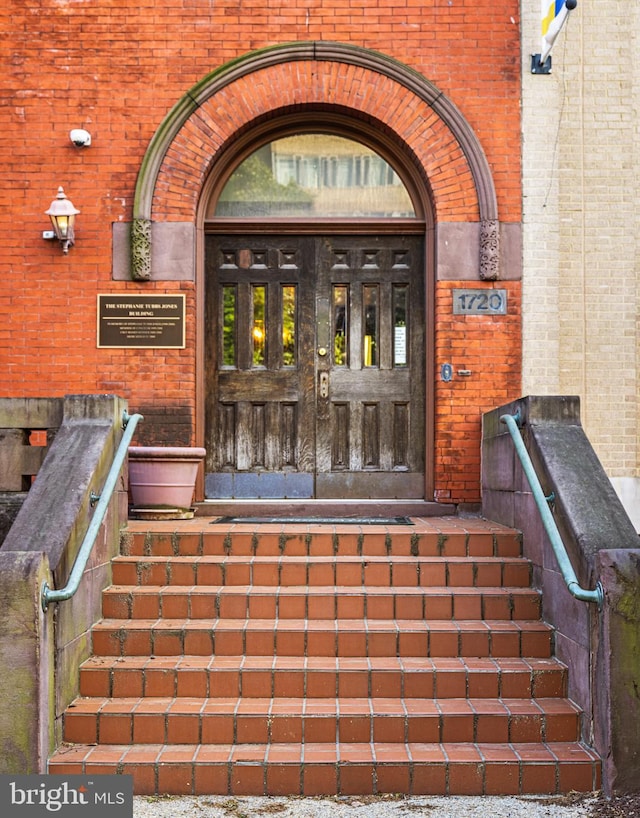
<point>581,159</point>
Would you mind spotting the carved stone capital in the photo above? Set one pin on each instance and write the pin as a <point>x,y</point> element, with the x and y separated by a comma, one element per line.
<point>141,249</point>
<point>489,249</point>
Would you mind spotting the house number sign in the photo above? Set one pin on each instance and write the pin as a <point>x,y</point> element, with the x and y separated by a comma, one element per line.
<point>143,321</point>
<point>480,302</point>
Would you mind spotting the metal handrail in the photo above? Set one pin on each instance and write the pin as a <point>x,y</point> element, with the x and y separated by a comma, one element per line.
<point>47,594</point>
<point>597,595</point>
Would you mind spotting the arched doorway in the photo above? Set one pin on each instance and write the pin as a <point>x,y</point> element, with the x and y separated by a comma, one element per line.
<point>315,320</point>
<point>346,91</point>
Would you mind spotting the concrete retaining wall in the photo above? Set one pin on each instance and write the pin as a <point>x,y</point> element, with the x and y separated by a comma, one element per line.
<point>599,647</point>
<point>40,652</point>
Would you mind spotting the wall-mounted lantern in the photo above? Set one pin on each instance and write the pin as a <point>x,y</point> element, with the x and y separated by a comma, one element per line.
<point>63,215</point>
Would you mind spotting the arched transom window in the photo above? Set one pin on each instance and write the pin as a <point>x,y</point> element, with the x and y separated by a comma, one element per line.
<point>313,175</point>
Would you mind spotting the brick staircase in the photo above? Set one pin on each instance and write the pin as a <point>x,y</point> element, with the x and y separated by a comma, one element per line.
<point>295,659</point>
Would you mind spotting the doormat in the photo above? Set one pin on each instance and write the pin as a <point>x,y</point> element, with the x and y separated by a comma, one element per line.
<point>317,520</point>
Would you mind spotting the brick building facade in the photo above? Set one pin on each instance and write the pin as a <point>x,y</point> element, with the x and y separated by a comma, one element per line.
<point>580,237</point>
<point>174,98</point>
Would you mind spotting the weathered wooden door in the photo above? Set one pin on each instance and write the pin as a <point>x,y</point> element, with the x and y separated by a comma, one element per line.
<point>315,367</point>
<point>370,383</point>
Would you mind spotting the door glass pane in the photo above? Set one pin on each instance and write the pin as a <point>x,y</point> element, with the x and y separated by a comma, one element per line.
<point>400,328</point>
<point>229,326</point>
<point>340,325</point>
<point>288,326</point>
<point>313,175</point>
<point>370,324</point>
<point>258,293</point>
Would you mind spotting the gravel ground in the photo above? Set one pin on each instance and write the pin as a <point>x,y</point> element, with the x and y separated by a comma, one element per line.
<point>574,805</point>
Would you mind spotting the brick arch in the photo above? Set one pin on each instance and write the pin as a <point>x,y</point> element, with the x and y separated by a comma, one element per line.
<point>311,116</point>
<point>300,85</point>
<point>300,76</point>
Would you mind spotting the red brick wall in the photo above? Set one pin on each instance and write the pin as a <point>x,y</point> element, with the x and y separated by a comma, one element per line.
<point>116,69</point>
<point>488,348</point>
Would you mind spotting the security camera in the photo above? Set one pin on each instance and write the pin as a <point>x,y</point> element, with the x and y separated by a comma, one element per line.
<point>80,138</point>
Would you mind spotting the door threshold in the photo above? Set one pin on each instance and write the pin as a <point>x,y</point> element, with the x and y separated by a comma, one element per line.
<point>323,508</point>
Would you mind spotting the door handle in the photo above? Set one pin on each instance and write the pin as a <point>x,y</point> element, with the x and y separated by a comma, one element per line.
<point>323,383</point>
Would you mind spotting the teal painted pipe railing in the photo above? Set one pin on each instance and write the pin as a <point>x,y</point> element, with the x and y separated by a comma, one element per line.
<point>597,595</point>
<point>49,595</point>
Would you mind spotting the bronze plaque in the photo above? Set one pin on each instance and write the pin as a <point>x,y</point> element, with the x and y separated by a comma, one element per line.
<point>143,321</point>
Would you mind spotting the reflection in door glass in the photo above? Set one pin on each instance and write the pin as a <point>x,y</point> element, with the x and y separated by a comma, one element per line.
<point>370,323</point>
<point>229,326</point>
<point>400,329</point>
<point>288,326</point>
<point>258,298</point>
<point>340,325</point>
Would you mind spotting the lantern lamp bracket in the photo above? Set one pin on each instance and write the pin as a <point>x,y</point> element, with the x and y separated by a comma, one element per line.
<point>63,215</point>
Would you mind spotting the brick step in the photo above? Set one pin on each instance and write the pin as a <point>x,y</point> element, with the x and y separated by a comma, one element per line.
<point>398,571</point>
<point>404,659</point>
<point>318,677</point>
<point>302,637</point>
<point>326,540</point>
<point>319,602</point>
<point>386,720</point>
<point>341,769</point>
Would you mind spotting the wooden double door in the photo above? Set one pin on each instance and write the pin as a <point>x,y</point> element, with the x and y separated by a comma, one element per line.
<point>315,366</point>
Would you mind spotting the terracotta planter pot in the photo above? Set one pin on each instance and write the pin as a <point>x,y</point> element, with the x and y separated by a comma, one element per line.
<point>162,480</point>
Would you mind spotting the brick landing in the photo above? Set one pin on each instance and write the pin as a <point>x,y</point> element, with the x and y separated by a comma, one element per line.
<point>322,659</point>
